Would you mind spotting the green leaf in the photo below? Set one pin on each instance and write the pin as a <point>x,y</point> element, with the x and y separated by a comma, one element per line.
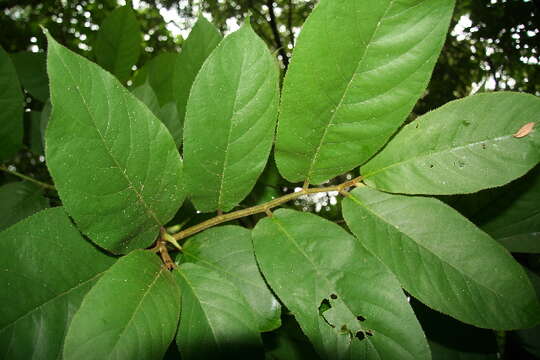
<point>230,121</point>
<point>19,200</point>
<point>11,103</point>
<point>347,303</point>
<point>168,114</point>
<point>118,42</point>
<point>228,250</point>
<point>442,259</point>
<point>44,121</point>
<point>46,268</point>
<point>357,70</point>
<point>460,147</point>
<point>32,72</point>
<point>288,343</point>
<point>158,72</point>
<point>216,321</point>
<point>36,141</point>
<point>115,166</point>
<point>131,313</point>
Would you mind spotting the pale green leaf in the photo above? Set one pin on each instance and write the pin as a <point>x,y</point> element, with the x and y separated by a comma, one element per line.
<point>356,72</point>
<point>465,146</point>
<point>118,43</point>
<point>347,302</point>
<point>131,312</point>
<point>443,259</point>
<point>19,200</point>
<point>46,268</point>
<point>115,166</point>
<point>11,103</point>
<point>32,72</point>
<point>216,322</point>
<point>228,250</point>
<point>230,121</point>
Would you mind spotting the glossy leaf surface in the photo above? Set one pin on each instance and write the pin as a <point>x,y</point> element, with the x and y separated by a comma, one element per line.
<point>131,313</point>
<point>118,42</point>
<point>228,250</point>
<point>115,166</point>
<point>11,103</point>
<point>347,303</point>
<point>443,259</point>
<point>460,147</point>
<point>32,72</point>
<point>216,322</point>
<point>373,61</point>
<point>46,268</point>
<point>230,121</point>
<point>19,200</point>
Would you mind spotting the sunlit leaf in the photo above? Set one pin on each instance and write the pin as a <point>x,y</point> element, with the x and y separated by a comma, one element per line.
<point>115,166</point>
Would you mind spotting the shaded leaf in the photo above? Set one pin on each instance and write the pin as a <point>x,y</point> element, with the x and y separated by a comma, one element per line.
<point>158,72</point>
<point>228,251</point>
<point>115,166</point>
<point>288,343</point>
<point>230,121</point>
<point>216,321</point>
<point>347,303</point>
<point>32,72</point>
<point>11,103</point>
<point>19,200</point>
<point>46,268</point>
<point>460,147</point>
<point>118,43</point>
<point>131,313</point>
<point>36,141</point>
<point>443,259</point>
<point>373,62</point>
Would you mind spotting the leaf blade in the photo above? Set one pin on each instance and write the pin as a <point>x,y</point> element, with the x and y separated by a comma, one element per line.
<point>235,93</point>
<point>443,260</point>
<point>214,324</point>
<point>373,62</point>
<point>460,147</point>
<point>19,200</point>
<point>47,268</point>
<point>133,328</point>
<point>126,180</point>
<point>327,280</point>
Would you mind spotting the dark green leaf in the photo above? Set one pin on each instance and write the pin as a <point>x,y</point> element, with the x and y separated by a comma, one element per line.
<point>19,200</point>
<point>131,313</point>
<point>460,147</point>
<point>288,343</point>
<point>44,121</point>
<point>216,321</point>
<point>36,141</point>
<point>146,94</point>
<point>228,250</point>
<point>11,103</point>
<point>356,73</point>
<point>158,72</point>
<point>115,166</point>
<point>118,42</point>
<point>443,259</point>
<point>230,121</point>
<point>347,303</point>
<point>46,268</point>
<point>32,72</point>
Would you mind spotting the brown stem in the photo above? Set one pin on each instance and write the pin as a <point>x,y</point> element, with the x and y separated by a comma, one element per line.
<point>263,208</point>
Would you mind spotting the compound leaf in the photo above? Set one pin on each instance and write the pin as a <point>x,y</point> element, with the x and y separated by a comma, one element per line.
<point>46,268</point>
<point>11,103</point>
<point>118,42</point>
<point>229,251</point>
<point>460,147</point>
<point>216,321</point>
<point>114,164</point>
<point>373,62</point>
<point>443,260</point>
<point>230,121</point>
<point>131,312</point>
<point>19,200</point>
<point>346,301</point>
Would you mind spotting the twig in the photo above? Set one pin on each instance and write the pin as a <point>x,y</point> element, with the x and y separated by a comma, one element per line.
<point>28,178</point>
<point>263,208</point>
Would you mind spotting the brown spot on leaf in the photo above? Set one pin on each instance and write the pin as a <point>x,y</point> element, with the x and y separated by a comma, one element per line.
<point>525,130</point>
